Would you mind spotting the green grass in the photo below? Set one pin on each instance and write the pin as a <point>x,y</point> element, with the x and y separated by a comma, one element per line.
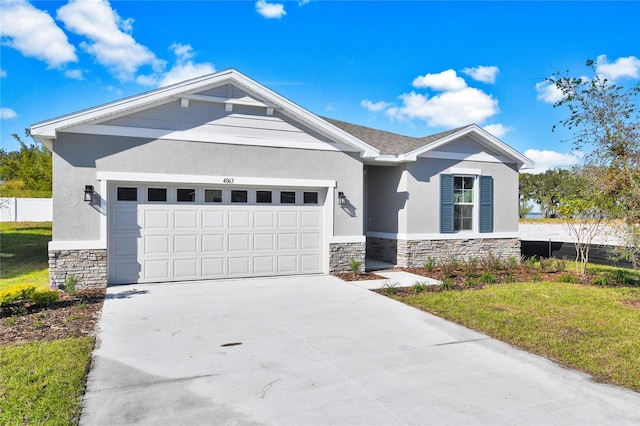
<point>42,382</point>
<point>23,253</point>
<point>583,327</point>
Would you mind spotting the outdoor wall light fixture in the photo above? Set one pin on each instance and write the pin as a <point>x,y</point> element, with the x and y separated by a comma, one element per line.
<point>88,193</point>
<point>342,199</point>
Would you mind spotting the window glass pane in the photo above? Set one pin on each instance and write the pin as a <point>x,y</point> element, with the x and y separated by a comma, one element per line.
<point>287,197</point>
<point>127,194</point>
<point>310,198</point>
<point>263,196</point>
<point>186,195</point>
<point>213,195</point>
<point>156,194</point>
<point>238,196</point>
<point>463,218</point>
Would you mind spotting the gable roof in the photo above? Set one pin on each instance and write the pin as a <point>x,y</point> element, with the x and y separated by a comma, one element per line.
<point>374,145</point>
<point>400,148</point>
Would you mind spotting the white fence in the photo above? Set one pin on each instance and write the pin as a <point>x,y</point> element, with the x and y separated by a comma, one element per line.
<point>26,209</point>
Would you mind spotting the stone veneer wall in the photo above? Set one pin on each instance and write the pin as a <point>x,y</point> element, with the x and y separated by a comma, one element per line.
<point>414,253</point>
<point>89,266</point>
<point>341,253</point>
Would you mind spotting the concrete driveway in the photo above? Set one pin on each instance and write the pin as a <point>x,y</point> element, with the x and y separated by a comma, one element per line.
<point>316,350</point>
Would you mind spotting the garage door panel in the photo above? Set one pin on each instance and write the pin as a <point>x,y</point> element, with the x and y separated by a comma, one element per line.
<point>125,272</point>
<point>287,241</point>
<point>239,219</point>
<point>309,241</point>
<point>239,242</point>
<point>263,219</point>
<point>156,219</point>
<point>156,269</point>
<point>213,219</point>
<point>310,219</point>
<point>239,266</point>
<point>213,267</point>
<point>213,243</point>
<point>263,242</point>
<point>287,264</point>
<point>310,263</point>
<point>184,244</point>
<point>287,219</point>
<point>264,265</point>
<point>184,269</point>
<point>156,244</point>
<point>185,219</point>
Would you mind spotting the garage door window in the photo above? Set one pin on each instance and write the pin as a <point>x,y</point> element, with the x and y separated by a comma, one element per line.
<point>157,194</point>
<point>310,197</point>
<point>186,195</point>
<point>263,197</point>
<point>238,196</point>
<point>127,194</point>
<point>213,195</point>
<point>287,197</point>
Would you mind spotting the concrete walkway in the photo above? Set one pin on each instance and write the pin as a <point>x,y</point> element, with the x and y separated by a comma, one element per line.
<point>316,350</point>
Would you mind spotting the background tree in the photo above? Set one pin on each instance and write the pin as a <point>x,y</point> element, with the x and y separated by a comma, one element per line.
<point>546,190</point>
<point>604,121</point>
<point>26,172</point>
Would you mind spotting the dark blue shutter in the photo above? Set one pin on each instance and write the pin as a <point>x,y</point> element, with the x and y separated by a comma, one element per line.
<point>486,204</point>
<point>446,204</point>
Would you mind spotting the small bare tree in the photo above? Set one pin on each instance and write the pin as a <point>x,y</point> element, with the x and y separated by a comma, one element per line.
<point>581,218</point>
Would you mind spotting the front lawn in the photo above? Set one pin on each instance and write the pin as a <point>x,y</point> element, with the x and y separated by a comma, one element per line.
<point>44,352</point>
<point>590,328</point>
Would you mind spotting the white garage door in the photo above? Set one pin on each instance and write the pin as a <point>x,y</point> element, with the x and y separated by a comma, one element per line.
<point>173,233</point>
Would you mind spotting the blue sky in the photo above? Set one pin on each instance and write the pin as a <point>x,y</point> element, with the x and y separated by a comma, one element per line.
<point>414,68</point>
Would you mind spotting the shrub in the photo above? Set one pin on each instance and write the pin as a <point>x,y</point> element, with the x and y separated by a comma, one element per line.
<point>16,293</point>
<point>419,286</point>
<point>567,278</point>
<point>471,266</point>
<point>446,284</point>
<point>44,297</point>
<point>511,278</point>
<point>430,264</point>
<point>513,262</point>
<point>536,277</point>
<point>552,264</point>
<point>602,280</point>
<point>448,267</point>
<point>487,277</point>
<point>353,264</point>
<point>491,262</point>
<point>389,287</point>
<point>621,277</point>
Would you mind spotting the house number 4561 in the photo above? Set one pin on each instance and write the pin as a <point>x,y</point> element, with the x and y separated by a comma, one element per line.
<point>227,180</point>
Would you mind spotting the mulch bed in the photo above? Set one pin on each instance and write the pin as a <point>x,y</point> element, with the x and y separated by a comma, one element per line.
<point>365,276</point>
<point>71,316</point>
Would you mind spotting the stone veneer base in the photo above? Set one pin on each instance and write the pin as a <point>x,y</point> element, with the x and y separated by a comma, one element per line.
<point>415,253</point>
<point>88,266</point>
<point>340,254</point>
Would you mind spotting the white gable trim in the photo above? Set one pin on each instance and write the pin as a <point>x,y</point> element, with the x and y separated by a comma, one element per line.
<point>479,135</point>
<point>46,131</point>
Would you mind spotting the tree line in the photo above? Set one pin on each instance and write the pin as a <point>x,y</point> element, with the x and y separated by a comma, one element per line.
<point>27,171</point>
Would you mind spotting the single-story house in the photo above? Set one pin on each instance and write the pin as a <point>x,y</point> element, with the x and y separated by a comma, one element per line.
<point>219,177</point>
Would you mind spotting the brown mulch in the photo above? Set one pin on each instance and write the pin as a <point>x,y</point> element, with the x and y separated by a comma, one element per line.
<point>352,276</point>
<point>71,316</point>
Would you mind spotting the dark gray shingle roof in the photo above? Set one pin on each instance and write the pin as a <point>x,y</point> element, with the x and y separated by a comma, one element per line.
<point>386,142</point>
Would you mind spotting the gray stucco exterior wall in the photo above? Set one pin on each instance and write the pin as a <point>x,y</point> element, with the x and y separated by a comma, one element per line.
<point>78,157</point>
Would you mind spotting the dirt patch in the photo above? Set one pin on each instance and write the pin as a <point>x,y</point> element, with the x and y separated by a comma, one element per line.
<point>634,303</point>
<point>71,316</point>
<point>351,276</point>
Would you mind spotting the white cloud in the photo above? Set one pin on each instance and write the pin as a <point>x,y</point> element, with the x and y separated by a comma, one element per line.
<point>303,2</point>
<point>270,10</point>
<point>3,73</point>
<point>548,92</point>
<point>109,37</point>
<point>622,67</point>
<point>498,130</point>
<point>7,113</point>
<point>74,74</point>
<point>374,106</point>
<point>547,160</point>
<point>482,73</point>
<point>183,69</point>
<point>445,81</point>
<point>34,33</point>
<point>331,107</point>
<point>448,109</point>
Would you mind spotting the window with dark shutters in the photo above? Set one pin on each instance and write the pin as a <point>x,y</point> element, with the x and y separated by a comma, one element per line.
<point>486,204</point>
<point>446,204</point>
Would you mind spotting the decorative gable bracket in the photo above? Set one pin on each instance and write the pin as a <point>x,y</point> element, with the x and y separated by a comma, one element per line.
<point>228,102</point>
